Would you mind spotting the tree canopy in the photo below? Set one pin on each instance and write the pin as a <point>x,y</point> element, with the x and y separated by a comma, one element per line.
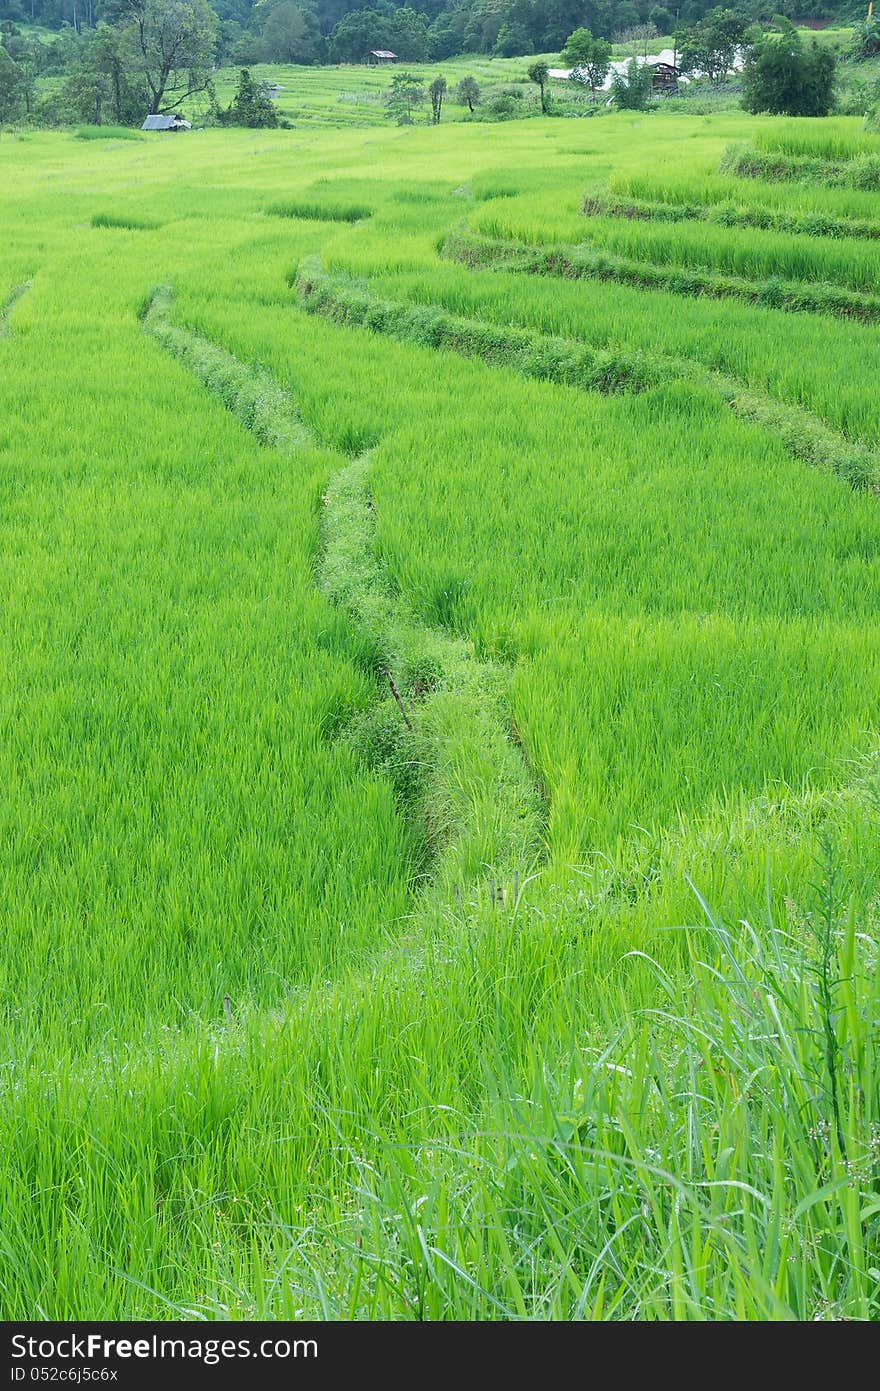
<point>12,85</point>
<point>784,76</point>
<point>589,59</point>
<point>631,88</point>
<point>250,105</point>
<point>173,43</point>
<point>404,96</point>
<point>711,45</point>
<point>312,31</point>
<point>540,73</point>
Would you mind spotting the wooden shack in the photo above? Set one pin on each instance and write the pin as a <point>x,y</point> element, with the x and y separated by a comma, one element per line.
<point>664,79</point>
<point>381,57</point>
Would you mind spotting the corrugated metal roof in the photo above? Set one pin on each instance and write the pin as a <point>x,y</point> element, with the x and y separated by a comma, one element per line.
<point>165,123</point>
<point>382,53</point>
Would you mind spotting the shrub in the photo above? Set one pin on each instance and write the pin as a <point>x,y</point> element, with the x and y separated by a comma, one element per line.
<point>785,78</point>
<point>127,223</point>
<point>588,58</point>
<point>866,39</point>
<point>501,106</point>
<point>250,106</point>
<point>631,89</point>
<point>467,93</point>
<point>405,95</point>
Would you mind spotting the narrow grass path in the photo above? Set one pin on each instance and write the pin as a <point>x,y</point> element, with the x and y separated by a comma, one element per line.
<point>6,309</point>
<point>587,262</point>
<point>442,732</point>
<point>573,363</point>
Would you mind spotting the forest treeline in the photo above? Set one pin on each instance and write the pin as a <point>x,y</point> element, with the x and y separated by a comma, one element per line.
<point>340,31</point>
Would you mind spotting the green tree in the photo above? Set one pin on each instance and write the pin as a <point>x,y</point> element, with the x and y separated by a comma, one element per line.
<point>661,18</point>
<point>467,93</point>
<point>588,58</point>
<point>356,34</point>
<point>291,34</point>
<point>631,89</point>
<point>446,34</point>
<point>404,96</point>
<point>513,41</point>
<point>785,77</point>
<point>711,46</point>
<point>108,57</point>
<point>12,88</point>
<point>578,48</point>
<point>85,94</point>
<point>540,74</point>
<point>437,92</point>
<point>172,45</point>
<point>250,105</point>
<point>409,35</point>
<point>30,57</point>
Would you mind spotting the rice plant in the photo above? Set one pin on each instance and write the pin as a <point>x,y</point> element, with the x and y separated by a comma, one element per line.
<point>439,766</point>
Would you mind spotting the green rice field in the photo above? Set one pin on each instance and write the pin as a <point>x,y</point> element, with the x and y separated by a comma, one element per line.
<point>439,776</point>
<point>351,95</point>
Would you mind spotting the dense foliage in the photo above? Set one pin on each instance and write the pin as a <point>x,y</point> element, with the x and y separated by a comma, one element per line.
<point>783,75</point>
<point>250,106</point>
<point>712,44</point>
<point>631,88</point>
<point>587,57</point>
<point>312,31</point>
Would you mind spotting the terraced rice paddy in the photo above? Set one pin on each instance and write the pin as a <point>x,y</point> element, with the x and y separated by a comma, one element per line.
<point>352,95</point>
<point>439,764</point>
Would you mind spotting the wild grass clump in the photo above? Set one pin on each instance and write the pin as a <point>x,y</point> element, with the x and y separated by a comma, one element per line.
<point>718,1159</point>
<point>125,221</point>
<point>807,438</point>
<point>320,212</point>
<point>704,1146</point>
<point>108,133</point>
<point>449,757</point>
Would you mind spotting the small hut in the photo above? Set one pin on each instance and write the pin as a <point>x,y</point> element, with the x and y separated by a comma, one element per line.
<point>381,57</point>
<point>174,122</point>
<point>664,79</point>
